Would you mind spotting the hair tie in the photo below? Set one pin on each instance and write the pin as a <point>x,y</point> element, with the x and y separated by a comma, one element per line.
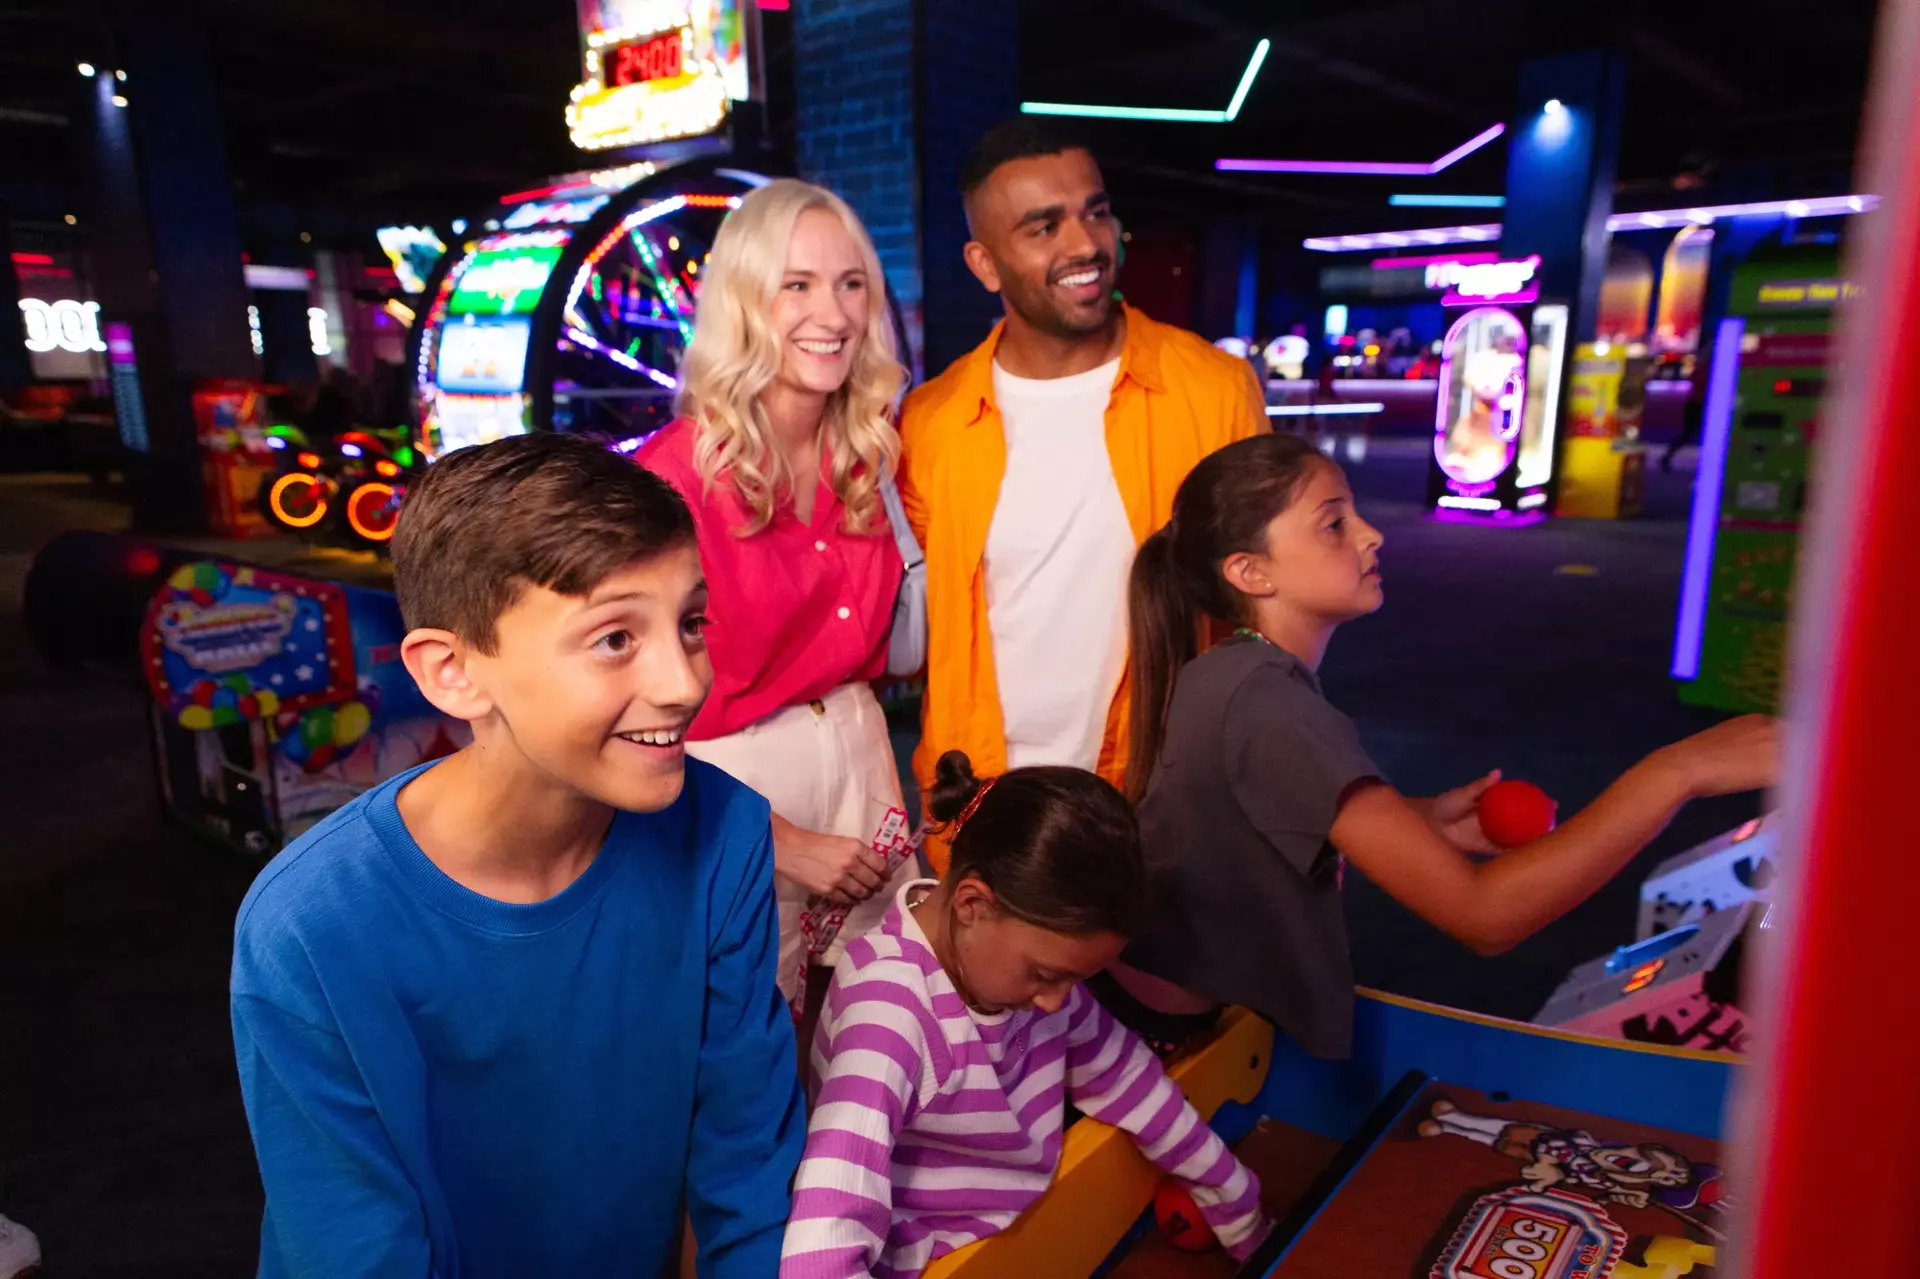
<point>973,806</point>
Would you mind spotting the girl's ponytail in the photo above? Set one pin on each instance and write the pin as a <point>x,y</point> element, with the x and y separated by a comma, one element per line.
<point>1163,635</point>
<point>954,787</point>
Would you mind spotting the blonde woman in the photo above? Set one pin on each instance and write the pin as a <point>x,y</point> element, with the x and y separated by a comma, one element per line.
<point>785,426</point>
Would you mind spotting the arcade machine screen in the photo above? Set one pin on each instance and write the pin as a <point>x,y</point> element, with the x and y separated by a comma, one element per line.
<point>470,380</point>
<point>1483,392</point>
<point>1759,432</point>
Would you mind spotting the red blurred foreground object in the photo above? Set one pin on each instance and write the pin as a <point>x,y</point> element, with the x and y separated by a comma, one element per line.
<point>1180,1219</point>
<point>1516,813</point>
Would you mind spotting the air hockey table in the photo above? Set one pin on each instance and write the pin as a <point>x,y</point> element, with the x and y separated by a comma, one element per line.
<point>1449,1146</point>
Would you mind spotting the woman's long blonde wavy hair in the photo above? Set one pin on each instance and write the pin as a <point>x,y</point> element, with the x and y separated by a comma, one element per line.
<point>735,355</point>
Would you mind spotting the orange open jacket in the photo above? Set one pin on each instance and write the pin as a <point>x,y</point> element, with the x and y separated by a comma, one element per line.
<point>1176,399</point>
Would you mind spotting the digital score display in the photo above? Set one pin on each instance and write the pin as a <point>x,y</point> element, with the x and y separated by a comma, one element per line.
<point>655,57</point>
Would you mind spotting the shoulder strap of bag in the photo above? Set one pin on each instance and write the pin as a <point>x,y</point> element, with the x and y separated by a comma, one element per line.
<point>897,516</point>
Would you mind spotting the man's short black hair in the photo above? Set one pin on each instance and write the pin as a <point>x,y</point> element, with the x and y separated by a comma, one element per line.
<point>1020,138</point>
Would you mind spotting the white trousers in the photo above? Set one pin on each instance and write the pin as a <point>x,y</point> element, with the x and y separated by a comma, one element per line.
<point>825,766</point>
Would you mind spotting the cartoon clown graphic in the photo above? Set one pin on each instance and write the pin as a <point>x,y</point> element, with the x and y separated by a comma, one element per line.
<point>1634,1174</point>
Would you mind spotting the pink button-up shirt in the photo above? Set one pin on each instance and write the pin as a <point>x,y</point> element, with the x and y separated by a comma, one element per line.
<point>797,609</point>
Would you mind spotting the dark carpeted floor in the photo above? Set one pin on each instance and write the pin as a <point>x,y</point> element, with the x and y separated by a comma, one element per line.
<point>121,1137</point>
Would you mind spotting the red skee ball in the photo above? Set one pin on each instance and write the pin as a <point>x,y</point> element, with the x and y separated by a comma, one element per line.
<point>1179,1218</point>
<point>1516,813</point>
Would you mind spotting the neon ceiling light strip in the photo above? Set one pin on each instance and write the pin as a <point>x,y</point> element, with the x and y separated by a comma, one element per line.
<point>1406,264</point>
<point>1174,115</point>
<point>1247,77</point>
<point>1716,429</point>
<point>1177,115</point>
<point>1322,410</point>
<point>1376,168</point>
<point>1448,201</point>
<point>1826,206</point>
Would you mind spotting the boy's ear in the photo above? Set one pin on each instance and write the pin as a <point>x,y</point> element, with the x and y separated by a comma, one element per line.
<point>437,660</point>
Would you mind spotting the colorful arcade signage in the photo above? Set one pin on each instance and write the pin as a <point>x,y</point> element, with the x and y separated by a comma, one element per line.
<point>224,643</point>
<point>655,70</point>
<point>1524,1234</point>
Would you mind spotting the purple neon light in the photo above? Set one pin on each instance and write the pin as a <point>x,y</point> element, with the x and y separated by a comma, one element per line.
<point>1393,169</point>
<point>1516,384</point>
<point>1501,518</point>
<point>1436,259</point>
<point>1453,297</point>
<point>1716,429</point>
<point>1826,206</point>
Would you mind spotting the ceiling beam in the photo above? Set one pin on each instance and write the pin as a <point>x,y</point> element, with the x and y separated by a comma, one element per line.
<point>1685,66</point>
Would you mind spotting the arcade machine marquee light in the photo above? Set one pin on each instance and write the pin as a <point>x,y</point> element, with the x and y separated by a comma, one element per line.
<point>655,71</point>
<point>570,306</point>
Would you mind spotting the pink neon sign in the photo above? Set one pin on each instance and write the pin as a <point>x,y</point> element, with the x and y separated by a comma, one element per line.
<point>1471,284</point>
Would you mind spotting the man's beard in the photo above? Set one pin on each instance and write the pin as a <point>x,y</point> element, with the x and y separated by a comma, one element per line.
<point>1037,305</point>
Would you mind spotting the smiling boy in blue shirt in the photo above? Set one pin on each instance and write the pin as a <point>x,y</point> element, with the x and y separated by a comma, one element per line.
<point>506,1014</point>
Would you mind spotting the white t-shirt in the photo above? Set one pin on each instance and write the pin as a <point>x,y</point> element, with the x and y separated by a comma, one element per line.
<point>1058,554</point>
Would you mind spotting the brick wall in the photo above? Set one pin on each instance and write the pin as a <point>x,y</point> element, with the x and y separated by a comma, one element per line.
<point>970,82</point>
<point>888,96</point>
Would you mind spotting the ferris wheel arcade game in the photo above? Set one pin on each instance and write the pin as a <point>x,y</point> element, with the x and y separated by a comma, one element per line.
<point>568,305</point>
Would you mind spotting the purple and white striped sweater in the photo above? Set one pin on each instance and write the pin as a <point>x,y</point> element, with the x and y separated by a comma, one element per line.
<point>935,1126</point>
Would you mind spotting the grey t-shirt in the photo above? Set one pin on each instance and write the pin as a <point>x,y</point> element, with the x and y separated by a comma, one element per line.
<point>1235,820</point>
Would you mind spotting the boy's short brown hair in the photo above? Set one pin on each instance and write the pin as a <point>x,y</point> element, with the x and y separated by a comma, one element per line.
<point>556,511</point>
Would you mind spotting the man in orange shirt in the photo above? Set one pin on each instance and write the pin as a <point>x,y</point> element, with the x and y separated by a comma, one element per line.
<point>1036,464</point>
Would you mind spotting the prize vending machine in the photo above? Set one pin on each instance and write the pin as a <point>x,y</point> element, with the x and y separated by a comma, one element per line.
<point>231,427</point>
<point>1757,441</point>
<point>1602,469</point>
<point>1497,408</point>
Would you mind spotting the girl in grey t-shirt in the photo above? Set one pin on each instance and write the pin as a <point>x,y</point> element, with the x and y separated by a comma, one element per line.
<point>1254,790</point>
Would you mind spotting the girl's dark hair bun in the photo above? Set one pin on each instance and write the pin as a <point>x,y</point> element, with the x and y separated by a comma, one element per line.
<point>954,786</point>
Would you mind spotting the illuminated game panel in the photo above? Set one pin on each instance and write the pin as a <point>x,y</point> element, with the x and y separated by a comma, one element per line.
<point>655,70</point>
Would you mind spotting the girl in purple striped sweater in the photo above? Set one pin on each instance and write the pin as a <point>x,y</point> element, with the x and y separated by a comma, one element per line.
<point>955,1033</point>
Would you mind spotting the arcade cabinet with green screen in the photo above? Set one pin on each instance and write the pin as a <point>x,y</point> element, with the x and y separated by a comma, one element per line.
<point>1757,434</point>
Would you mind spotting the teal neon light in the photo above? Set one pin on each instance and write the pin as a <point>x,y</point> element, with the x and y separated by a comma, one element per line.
<point>1176,115</point>
<point>1247,77</point>
<point>1448,201</point>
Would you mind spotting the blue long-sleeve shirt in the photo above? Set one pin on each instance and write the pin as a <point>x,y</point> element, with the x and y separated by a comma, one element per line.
<point>443,1085</point>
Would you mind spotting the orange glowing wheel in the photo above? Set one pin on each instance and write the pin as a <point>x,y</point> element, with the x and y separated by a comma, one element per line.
<point>299,499</point>
<point>372,511</point>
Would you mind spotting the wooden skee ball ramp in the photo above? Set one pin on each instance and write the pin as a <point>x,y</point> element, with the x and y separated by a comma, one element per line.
<point>1451,1145</point>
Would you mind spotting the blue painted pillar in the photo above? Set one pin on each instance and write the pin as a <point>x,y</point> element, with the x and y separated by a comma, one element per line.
<point>1561,148</point>
<point>1229,280</point>
<point>163,249</point>
<point>889,96</point>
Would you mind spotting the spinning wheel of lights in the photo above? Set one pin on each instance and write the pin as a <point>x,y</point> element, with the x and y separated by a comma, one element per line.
<point>373,509</point>
<point>299,499</point>
<point>628,315</point>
